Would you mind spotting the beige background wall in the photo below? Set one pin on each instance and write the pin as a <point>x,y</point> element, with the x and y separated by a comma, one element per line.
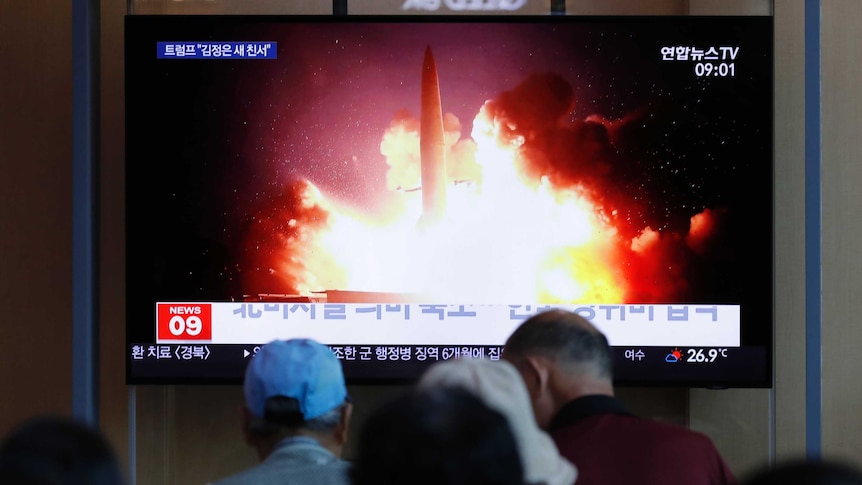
<point>789,214</point>
<point>188,434</point>
<point>35,209</point>
<point>842,227</point>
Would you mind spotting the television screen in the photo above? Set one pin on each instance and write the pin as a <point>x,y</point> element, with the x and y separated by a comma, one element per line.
<point>410,189</point>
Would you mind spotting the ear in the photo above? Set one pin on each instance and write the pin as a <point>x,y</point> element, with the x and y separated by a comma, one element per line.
<point>341,431</point>
<point>536,371</point>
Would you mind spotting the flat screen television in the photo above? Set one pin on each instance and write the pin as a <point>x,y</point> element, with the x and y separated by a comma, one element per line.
<point>410,189</point>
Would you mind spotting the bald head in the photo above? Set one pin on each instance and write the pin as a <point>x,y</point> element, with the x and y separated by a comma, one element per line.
<point>565,338</point>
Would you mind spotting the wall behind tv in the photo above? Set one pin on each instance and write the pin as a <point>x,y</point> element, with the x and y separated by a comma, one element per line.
<point>35,209</point>
<point>189,434</point>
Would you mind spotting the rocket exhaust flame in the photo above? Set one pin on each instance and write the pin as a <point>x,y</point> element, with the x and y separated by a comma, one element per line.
<point>533,224</point>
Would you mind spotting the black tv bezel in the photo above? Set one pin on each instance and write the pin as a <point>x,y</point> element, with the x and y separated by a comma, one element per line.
<point>685,382</point>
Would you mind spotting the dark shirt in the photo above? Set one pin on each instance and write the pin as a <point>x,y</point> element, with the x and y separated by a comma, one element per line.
<point>611,446</point>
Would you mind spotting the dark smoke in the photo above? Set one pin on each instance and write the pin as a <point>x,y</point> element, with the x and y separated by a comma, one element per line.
<point>537,115</point>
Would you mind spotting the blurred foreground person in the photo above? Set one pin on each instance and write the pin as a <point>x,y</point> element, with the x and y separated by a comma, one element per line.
<point>566,364</point>
<point>500,387</point>
<point>296,415</point>
<point>799,472</point>
<point>57,451</point>
<point>444,436</point>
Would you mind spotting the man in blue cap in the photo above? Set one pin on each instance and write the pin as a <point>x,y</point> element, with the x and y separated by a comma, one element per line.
<point>296,415</point>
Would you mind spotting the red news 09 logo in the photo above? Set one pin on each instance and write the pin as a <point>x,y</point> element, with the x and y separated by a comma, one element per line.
<point>184,321</point>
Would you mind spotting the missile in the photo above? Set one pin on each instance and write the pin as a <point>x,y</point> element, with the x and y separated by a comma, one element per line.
<point>431,147</point>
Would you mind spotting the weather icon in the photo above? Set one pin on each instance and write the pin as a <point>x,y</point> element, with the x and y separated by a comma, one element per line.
<point>674,356</point>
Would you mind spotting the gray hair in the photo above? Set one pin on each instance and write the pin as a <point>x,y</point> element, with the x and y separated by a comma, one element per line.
<point>326,421</point>
<point>566,338</point>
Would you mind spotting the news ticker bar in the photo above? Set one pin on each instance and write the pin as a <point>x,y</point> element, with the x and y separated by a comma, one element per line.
<point>435,324</point>
<point>226,362</point>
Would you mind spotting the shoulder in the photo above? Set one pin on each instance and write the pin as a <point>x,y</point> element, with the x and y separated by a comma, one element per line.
<point>648,447</point>
<point>286,472</point>
<point>662,431</point>
<point>687,445</point>
<point>618,429</point>
<point>675,432</point>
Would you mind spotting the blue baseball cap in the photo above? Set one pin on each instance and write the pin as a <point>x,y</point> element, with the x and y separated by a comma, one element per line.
<point>299,368</point>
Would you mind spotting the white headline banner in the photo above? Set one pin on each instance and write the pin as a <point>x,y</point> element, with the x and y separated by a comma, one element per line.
<point>426,324</point>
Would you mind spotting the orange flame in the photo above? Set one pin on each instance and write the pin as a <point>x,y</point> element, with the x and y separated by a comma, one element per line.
<point>504,238</point>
